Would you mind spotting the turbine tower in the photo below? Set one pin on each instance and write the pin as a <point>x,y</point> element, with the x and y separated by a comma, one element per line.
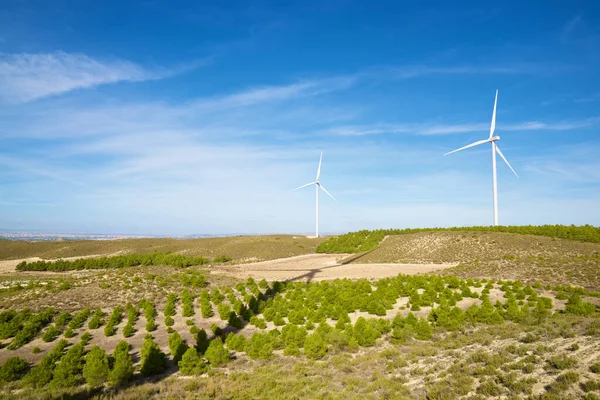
<point>318,186</point>
<point>495,149</point>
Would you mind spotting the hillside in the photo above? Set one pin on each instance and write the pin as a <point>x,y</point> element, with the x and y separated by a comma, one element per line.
<point>240,248</point>
<point>496,254</point>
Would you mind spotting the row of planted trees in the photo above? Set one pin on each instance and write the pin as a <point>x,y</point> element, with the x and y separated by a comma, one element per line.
<point>121,261</point>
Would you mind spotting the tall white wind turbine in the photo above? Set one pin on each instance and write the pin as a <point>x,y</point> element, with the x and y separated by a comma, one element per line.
<point>318,186</point>
<point>495,149</point>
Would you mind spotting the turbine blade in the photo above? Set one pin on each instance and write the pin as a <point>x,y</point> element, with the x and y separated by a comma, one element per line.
<point>505,160</point>
<point>493,127</point>
<point>468,146</point>
<point>319,169</point>
<point>303,186</point>
<point>328,194</point>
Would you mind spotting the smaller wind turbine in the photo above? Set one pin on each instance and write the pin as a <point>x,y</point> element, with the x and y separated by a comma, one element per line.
<point>318,186</point>
<point>495,149</point>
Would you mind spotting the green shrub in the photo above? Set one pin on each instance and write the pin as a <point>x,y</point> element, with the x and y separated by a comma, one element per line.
<point>153,360</point>
<point>315,347</point>
<point>575,305</point>
<point>14,368</point>
<point>32,327</point>
<point>188,303</point>
<point>122,368</point>
<point>591,386</point>
<point>202,341</point>
<point>216,354</point>
<point>177,346</point>
<point>128,330</point>
<point>50,334</point>
<point>222,259</point>
<point>96,369</point>
<point>595,368</point>
<point>68,372</point>
<point>191,363</point>
<point>41,374</point>
<point>224,309</point>
<point>235,342</point>
<point>365,334</point>
<point>560,362</point>
<point>260,346</point>
<point>62,319</point>
<point>69,333</point>
<point>80,318</point>
<point>85,338</point>
<point>96,320</point>
<point>150,325</point>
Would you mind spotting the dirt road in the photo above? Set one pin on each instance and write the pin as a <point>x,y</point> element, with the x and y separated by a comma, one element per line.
<point>322,267</point>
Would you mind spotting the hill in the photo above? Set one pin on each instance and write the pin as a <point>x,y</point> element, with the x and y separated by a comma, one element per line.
<point>496,254</point>
<point>240,248</point>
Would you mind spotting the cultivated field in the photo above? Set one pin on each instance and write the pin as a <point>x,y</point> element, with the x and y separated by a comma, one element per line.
<point>436,315</point>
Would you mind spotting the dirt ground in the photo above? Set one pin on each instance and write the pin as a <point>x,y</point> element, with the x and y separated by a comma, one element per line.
<point>322,267</point>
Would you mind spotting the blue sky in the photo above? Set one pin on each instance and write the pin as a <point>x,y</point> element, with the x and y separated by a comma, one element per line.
<point>156,117</point>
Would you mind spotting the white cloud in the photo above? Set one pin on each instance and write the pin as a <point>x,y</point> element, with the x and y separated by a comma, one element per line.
<point>447,129</point>
<point>29,76</point>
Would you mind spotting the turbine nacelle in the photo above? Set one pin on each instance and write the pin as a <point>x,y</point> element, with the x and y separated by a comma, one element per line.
<point>494,138</point>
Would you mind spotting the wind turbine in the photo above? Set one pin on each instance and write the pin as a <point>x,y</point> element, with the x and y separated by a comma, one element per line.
<point>318,186</point>
<point>495,149</point>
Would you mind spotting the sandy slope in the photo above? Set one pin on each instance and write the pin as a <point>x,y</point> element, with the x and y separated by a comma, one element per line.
<point>322,267</point>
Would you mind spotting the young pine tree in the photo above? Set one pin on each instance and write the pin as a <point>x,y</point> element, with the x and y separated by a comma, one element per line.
<point>217,354</point>
<point>96,370</point>
<point>154,360</point>
<point>122,370</point>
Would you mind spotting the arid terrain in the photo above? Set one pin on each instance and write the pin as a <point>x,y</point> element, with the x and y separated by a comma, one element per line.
<point>439,315</point>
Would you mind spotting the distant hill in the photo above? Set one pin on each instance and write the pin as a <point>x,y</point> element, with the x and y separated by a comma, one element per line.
<point>240,248</point>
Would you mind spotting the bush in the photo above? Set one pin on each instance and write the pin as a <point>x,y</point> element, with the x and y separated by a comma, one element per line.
<point>13,369</point>
<point>202,341</point>
<point>80,318</point>
<point>41,374</point>
<point>315,347</point>
<point>32,327</point>
<point>122,370</point>
<point>85,338</point>
<point>560,362</point>
<point>217,354</point>
<point>154,360</point>
<point>235,342</point>
<point>68,372</point>
<point>260,347</point>
<point>69,333</point>
<point>578,307</point>
<point>96,320</point>
<point>191,363</point>
<point>365,334</point>
<point>222,259</point>
<point>51,333</point>
<point>188,303</point>
<point>128,330</point>
<point>177,346</point>
<point>96,370</point>
<point>169,321</point>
